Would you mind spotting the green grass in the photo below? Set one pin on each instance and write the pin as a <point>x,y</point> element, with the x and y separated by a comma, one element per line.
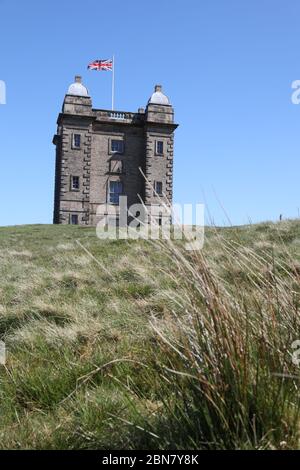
<point>146,345</point>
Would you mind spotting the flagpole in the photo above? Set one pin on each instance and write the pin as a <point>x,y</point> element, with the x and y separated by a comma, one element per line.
<point>113,85</point>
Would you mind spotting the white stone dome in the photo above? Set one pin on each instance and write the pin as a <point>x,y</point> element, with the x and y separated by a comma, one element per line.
<point>77,88</point>
<point>158,97</point>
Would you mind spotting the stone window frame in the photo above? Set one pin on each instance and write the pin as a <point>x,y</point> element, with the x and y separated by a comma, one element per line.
<point>71,219</point>
<point>118,138</point>
<point>159,141</point>
<point>72,188</point>
<point>116,159</point>
<point>155,192</point>
<point>109,192</point>
<point>74,146</point>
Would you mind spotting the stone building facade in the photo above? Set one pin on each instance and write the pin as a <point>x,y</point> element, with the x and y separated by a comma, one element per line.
<point>103,154</point>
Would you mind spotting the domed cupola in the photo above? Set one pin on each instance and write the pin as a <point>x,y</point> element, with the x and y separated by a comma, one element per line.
<point>77,89</point>
<point>158,97</point>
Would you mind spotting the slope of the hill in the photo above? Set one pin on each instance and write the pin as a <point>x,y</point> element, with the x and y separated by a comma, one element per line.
<point>96,354</point>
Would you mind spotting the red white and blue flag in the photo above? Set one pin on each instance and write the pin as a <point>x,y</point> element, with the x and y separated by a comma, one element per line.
<point>101,64</point>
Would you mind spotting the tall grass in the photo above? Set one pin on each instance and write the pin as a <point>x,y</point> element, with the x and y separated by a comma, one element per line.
<point>227,355</point>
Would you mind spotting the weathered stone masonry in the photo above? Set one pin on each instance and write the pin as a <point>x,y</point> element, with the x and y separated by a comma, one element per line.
<point>99,154</point>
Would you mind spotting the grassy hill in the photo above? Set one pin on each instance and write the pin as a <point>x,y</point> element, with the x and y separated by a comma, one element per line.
<point>136,344</point>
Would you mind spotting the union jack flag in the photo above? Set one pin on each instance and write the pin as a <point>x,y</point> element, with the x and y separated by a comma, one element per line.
<point>102,64</point>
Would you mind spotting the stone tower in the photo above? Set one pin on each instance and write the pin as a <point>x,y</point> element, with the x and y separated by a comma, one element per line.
<point>103,154</point>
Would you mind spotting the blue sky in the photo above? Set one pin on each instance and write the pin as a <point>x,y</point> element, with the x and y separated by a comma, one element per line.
<point>227,67</point>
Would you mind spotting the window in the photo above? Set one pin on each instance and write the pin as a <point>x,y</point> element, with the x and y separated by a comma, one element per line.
<point>158,187</point>
<point>74,183</point>
<point>74,219</point>
<point>159,147</point>
<point>76,141</point>
<point>116,166</point>
<point>117,146</point>
<point>115,190</point>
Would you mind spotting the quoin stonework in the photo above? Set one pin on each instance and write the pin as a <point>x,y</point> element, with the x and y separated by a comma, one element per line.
<point>103,154</point>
